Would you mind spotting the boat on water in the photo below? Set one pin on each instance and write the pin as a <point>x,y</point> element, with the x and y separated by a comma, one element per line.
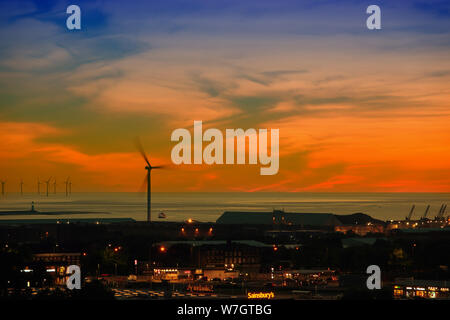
<point>162,215</point>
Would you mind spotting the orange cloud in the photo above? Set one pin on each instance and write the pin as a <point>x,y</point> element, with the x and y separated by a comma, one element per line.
<point>25,156</point>
<point>395,153</point>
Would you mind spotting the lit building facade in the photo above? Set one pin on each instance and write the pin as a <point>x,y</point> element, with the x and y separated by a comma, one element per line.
<point>426,289</point>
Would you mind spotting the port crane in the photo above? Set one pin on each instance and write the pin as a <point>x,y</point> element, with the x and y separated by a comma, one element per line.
<point>411,212</point>
<point>426,212</point>
<point>441,212</point>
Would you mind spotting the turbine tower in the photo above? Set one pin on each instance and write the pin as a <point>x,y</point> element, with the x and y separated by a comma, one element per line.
<point>21,187</point>
<point>3,187</point>
<point>39,186</point>
<point>149,169</point>
<point>47,183</point>
<point>67,186</point>
<point>54,186</point>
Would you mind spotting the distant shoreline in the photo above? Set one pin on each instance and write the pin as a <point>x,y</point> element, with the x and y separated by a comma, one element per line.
<point>50,213</point>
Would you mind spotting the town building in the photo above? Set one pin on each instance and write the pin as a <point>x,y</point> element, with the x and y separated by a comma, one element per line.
<point>426,289</point>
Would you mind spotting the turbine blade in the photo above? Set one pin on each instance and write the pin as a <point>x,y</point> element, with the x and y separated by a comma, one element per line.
<point>143,187</point>
<point>141,150</point>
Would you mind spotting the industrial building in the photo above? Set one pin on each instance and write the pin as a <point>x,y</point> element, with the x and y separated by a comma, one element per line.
<point>358,223</point>
<point>279,217</point>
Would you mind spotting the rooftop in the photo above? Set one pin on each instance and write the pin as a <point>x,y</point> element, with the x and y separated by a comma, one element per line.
<point>197,243</point>
<point>268,218</point>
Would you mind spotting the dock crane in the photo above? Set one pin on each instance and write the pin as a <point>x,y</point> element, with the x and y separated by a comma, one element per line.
<point>411,212</point>
<point>442,211</point>
<point>439,212</point>
<point>426,212</point>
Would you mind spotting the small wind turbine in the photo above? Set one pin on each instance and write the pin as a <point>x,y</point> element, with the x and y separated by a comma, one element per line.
<point>67,186</point>
<point>149,169</point>
<point>54,186</point>
<point>47,183</point>
<point>21,187</point>
<point>39,186</point>
<point>3,187</point>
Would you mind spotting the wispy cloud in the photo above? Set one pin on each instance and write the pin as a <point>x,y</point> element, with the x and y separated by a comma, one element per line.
<point>356,110</point>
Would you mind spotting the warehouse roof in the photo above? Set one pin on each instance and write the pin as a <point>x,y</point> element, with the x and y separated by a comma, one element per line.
<point>197,243</point>
<point>306,219</point>
<point>357,242</point>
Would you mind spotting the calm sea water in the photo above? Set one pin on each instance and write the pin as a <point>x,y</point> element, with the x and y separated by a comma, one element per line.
<point>208,207</point>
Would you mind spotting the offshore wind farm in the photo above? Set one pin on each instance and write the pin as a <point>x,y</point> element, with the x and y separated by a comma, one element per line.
<point>208,206</point>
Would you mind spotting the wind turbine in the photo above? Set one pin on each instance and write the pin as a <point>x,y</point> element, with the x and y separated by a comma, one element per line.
<point>47,183</point>
<point>67,186</point>
<point>3,186</point>
<point>21,187</point>
<point>39,186</point>
<point>149,169</point>
<point>54,186</point>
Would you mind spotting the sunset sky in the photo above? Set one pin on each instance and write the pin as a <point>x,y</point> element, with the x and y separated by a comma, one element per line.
<point>357,110</point>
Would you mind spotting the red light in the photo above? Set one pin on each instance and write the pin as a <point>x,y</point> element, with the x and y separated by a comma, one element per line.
<point>162,249</point>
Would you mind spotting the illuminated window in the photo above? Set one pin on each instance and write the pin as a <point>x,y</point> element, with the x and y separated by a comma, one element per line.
<point>420,293</point>
<point>398,292</point>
